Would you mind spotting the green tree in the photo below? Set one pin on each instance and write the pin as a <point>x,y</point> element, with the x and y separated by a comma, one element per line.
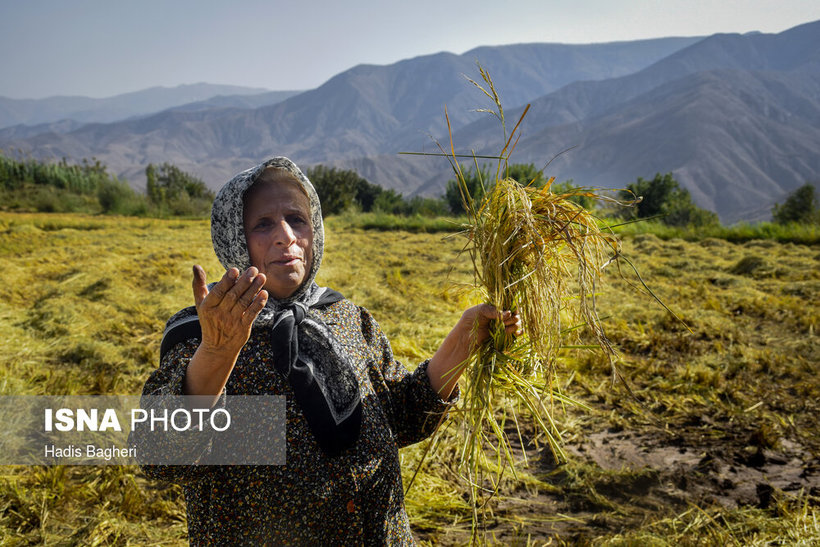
<point>337,188</point>
<point>476,182</point>
<point>168,182</point>
<point>172,190</point>
<point>366,194</point>
<point>526,173</point>
<point>390,201</point>
<point>428,207</point>
<point>664,196</point>
<point>800,206</point>
<point>154,192</point>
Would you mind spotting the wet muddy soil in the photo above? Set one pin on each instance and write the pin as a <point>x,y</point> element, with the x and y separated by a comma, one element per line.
<point>616,480</point>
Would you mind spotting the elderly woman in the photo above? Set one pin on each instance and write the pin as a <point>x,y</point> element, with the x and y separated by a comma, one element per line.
<point>267,328</point>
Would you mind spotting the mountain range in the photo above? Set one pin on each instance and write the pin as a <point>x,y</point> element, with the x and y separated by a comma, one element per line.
<point>138,103</point>
<point>734,117</point>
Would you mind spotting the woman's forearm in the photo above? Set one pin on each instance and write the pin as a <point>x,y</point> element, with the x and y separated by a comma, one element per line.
<point>207,373</point>
<point>446,365</point>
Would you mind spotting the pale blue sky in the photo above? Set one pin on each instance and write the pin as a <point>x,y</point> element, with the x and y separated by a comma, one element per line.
<point>100,48</point>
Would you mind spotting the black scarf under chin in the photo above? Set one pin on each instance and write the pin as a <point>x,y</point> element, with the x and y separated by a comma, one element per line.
<point>323,382</point>
<point>309,356</point>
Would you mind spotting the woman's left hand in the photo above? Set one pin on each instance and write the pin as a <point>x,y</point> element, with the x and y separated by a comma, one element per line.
<point>482,316</point>
<point>471,330</point>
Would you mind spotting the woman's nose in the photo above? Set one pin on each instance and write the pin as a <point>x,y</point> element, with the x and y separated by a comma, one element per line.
<point>284,234</point>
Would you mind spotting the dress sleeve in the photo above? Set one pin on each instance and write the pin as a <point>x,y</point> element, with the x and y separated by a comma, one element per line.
<point>163,392</point>
<point>414,408</point>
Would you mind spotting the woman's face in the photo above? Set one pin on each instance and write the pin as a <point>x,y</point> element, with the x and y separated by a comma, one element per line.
<point>279,233</point>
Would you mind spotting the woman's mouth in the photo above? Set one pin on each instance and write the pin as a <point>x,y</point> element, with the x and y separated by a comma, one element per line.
<point>287,261</point>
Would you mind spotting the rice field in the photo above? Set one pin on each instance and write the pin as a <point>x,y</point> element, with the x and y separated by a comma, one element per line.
<point>719,442</point>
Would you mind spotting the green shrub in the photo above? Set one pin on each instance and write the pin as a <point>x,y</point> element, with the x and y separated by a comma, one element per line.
<point>116,197</point>
<point>800,206</point>
<point>173,191</point>
<point>338,188</point>
<point>663,196</point>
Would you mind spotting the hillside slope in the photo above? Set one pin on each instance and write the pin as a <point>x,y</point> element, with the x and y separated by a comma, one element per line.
<point>734,117</point>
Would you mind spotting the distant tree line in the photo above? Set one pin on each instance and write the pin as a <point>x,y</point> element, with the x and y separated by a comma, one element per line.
<point>343,190</point>
<point>27,184</point>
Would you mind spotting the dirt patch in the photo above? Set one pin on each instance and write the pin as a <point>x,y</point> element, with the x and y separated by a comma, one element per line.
<point>695,470</point>
<point>617,479</point>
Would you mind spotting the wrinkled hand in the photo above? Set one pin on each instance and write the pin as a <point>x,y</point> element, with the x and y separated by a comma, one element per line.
<point>471,330</point>
<point>482,316</point>
<point>227,311</point>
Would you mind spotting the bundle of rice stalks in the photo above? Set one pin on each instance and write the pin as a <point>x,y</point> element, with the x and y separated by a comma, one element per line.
<point>541,254</point>
<point>544,255</point>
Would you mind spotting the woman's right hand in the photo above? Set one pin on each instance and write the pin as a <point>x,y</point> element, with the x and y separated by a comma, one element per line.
<point>226,315</point>
<point>227,311</point>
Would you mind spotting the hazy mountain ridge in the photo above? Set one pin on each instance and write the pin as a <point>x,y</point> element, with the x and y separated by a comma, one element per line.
<point>733,116</point>
<point>119,107</point>
<point>255,100</point>
<point>580,100</point>
<point>716,130</point>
